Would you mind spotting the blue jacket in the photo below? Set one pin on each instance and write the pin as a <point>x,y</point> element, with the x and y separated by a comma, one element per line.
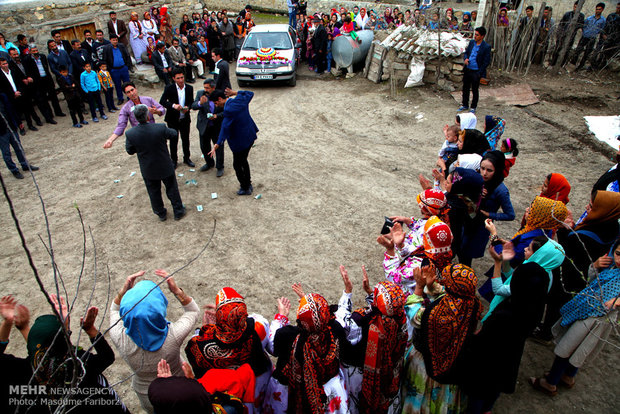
<point>90,81</point>
<point>238,127</point>
<point>61,60</point>
<point>484,54</point>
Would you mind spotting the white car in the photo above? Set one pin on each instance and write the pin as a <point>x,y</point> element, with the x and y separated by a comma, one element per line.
<point>269,53</point>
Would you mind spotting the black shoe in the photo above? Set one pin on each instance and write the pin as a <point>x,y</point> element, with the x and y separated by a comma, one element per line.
<point>163,216</point>
<point>31,168</point>
<point>189,163</point>
<point>220,172</point>
<point>191,81</point>
<point>182,214</point>
<point>51,121</point>
<point>244,192</point>
<point>18,175</point>
<point>202,77</point>
<point>206,167</point>
<point>61,114</point>
<point>38,122</point>
<point>33,128</point>
<point>120,102</point>
<point>22,131</point>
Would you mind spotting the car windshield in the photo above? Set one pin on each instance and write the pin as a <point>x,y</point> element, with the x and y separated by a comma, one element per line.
<point>276,40</point>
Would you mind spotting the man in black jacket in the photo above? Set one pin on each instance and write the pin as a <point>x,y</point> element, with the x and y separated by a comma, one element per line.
<point>177,99</point>
<point>319,44</point>
<point>60,42</point>
<point>13,86</point>
<point>222,76</point>
<point>149,142</point>
<point>209,124</point>
<point>162,62</point>
<point>10,139</point>
<point>117,58</point>
<point>31,86</point>
<point>39,70</point>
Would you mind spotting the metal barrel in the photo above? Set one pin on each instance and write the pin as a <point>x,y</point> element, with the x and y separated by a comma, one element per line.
<point>347,51</point>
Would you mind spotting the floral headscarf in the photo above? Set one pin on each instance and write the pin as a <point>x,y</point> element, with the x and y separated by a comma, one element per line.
<point>545,214</point>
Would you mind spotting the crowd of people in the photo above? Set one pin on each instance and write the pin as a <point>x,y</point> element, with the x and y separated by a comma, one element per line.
<point>422,343</point>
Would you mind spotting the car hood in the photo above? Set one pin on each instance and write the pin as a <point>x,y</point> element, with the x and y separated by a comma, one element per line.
<point>266,56</point>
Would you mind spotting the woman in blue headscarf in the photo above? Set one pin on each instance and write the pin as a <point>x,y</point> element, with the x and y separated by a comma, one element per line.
<point>142,334</point>
<point>586,322</point>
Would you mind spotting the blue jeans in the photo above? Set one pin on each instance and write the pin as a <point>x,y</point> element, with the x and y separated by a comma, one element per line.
<point>292,18</point>
<point>7,140</point>
<point>119,76</point>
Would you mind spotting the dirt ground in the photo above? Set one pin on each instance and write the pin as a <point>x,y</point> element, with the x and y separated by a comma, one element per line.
<point>333,157</point>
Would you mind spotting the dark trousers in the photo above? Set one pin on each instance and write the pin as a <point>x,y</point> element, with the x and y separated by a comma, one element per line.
<point>109,98</point>
<point>205,146</point>
<point>41,101</point>
<point>24,106</point>
<point>588,45</point>
<point>561,366</point>
<point>320,60</point>
<point>48,92</point>
<point>183,129</point>
<point>165,78</point>
<point>74,110</point>
<point>153,187</point>
<point>8,140</point>
<point>480,405</point>
<point>242,168</point>
<point>94,102</point>
<point>119,76</point>
<point>471,80</point>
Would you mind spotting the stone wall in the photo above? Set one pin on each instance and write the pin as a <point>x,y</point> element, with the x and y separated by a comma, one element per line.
<point>36,19</point>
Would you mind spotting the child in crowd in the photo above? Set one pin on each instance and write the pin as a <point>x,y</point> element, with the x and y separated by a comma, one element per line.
<point>330,39</point>
<point>91,87</point>
<point>67,86</point>
<point>105,79</point>
<point>466,120</point>
<point>434,23</point>
<point>511,151</point>
<point>449,150</point>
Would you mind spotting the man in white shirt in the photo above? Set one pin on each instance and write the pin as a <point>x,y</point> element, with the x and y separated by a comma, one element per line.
<point>13,86</point>
<point>177,99</point>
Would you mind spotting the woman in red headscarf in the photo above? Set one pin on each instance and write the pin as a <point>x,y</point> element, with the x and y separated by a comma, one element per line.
<point>378,338</point>
<point>439,333</point>
<point>307,378</point>
<point>231,338</point>
<point>404,254</point>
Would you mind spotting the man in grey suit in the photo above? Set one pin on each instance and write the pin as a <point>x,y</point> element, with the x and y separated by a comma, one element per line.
<point>149,142</point>
<point>209,124</point>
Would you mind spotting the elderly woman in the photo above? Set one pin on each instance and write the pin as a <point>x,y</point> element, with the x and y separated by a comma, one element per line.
<point>227,33</point>
<point>142,334</point>
<point>137,37</point>
<point>307,378</point>
<point>52,361</point>
<point>404,251</point>
<point>439,333</point>
<point>378,337</point>
<point>149,25</point>
<point>231,338</point>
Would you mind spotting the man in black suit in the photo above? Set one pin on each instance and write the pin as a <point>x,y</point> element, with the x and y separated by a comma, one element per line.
<point>117,58</point>
<point>119,28</point>
<point>13,86</point>
<point>79,57</point>
<point>149,142</point>
<point>89,45</point>
<point>38,68</point>
<point>209,124</point>
<point>222,71</point>
<point>319,45</point>
<point>177,99</point>
<point>162,62</point>
<point>61,43</point>
<point>31,87</point>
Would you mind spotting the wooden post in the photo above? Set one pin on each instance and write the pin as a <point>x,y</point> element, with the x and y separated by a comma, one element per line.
<point>535,35</point>
<point>568,36</point>
<point>514,36</point>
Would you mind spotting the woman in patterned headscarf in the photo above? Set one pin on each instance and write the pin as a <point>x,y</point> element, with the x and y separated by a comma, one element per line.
<point>235,338</point>
<point>378,336</point>
<point>407,253</point>
<point>307,377</point>
<point>440,333</point>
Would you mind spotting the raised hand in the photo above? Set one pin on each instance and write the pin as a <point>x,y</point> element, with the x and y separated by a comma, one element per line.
<point>497,257</point>
<point>385,241</point>
<point>398,235</point>
<point>22,317</point>
<point>172,284</point>
<point>163,369</point>
<point>7,308</point>
<point>490,226</point>
<point>61,306</point>
<point>424,182</point>
<point>298,290</point>
<point>284,306</point>
<point>88,322</point>
<point>187,370</point>
<point>402,219</point>
<point>208,317</point>
<point>131,280</point>
<point>348,286</point>
<point>430,275</point>
<point>419,277</point>
<point>508,251</point>
<point>365,281</point>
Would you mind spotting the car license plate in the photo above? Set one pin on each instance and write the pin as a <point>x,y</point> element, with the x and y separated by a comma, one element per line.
<point>258,77</point>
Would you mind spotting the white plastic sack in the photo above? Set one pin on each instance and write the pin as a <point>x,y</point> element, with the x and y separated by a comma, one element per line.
<point>417,72</point>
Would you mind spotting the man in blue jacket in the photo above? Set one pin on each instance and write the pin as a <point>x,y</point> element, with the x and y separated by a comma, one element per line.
<point>477,58</point>
<point>239,129</point>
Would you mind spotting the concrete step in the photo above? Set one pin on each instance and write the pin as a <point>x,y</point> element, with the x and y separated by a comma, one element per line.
<point>145,75</point>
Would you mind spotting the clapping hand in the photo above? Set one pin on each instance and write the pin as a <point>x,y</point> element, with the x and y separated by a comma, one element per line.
<point>298,290</point>
<point>208,317</point>
<point>7,308</point>
<point>398,235</point>
<point>163,369</point>
<point>497,257</point>
<point>61,307</point>
<point>172,284</point>
<point>348,286</point>
<point>365,281</point>
<point>284,306</point>
<point>88,322</point>
<point>508,251</point>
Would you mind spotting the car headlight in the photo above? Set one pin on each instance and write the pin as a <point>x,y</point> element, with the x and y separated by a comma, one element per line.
<point>286,68</point>
<point>241,69</point>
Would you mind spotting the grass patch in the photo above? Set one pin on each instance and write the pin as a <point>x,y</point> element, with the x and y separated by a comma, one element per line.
<point>268,18</point>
